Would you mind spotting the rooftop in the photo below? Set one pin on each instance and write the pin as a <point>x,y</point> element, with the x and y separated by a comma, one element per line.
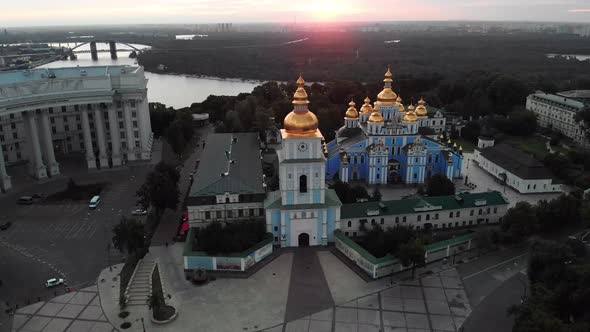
<point>571,103</point>
<point>39,74</point>
<point>416,205</point>
<point>516,162</point>
<point>230,163</point>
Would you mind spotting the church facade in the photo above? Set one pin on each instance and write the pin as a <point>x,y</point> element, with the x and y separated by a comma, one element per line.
<point>387,143</point>
<point>303,212</point>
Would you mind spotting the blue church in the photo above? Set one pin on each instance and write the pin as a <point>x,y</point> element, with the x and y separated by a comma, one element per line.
<point>383,143</point>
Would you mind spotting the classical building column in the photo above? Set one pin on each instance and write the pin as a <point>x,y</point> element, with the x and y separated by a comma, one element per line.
<point>115,139</point>
<point>129,131</point>
<point>90,158</point>
<point>100,137</point>
<point>37,168</point>
<point>145,128</point>
<point>52,165</point>
<point>5,182</point>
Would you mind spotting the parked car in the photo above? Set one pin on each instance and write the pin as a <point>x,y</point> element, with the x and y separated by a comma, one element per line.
<point>54,282</point>
<point>36,197</point>
<point>5,226</point>
<point>139,212</point>
<point>25,200</point>
<point>94,202</point>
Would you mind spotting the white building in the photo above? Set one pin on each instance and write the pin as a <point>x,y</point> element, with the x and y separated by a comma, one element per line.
<point>520,171</point>
<point>441,212</point>
<point>559,114</point>
<point>229,184</point>
<point>99,111</point>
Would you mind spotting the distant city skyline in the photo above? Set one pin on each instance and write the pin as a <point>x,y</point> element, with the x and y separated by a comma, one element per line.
<point>70,12</point>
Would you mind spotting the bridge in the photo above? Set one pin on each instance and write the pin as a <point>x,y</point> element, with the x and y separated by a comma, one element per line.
<point>94,51</point>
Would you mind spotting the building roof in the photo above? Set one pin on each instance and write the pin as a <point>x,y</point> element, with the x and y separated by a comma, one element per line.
<point>44,74</point>
<point>230,163</point>
<point>424,204</point>
<point>576,94</point>
<point>516,162</point>
<point>572,104</point>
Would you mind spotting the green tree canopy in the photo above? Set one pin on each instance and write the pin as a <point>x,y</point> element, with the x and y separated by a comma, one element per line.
<point>160,189</point>
<point>439,185</point>
<point>129,235</point>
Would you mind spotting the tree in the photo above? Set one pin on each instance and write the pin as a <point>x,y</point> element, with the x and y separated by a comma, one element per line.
<point>129,235</point>
<point>160,189</point>
<point>175,138</point>
<point>412,252</point>
<point>376,195</point>
<point>484,240</point>
<point>520,220</point>
<point>439,185</point>
<point>583,119</point>
<point>155,301</point>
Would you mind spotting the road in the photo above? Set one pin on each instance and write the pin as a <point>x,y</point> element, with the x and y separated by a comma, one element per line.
<point>62,240</point>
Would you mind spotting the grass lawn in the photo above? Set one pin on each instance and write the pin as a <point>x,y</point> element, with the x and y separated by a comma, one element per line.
<point>467,146</point>
<point>533,145</point>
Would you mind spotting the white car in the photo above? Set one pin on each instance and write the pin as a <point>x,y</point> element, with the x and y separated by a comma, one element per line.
<point>54,282</point>
<point>139,212</point>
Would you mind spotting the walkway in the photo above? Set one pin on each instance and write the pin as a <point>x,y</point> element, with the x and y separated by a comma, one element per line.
<point>308,289</point>
<point>432,303</point>
<point>72,312</point>
<point>139,286</point>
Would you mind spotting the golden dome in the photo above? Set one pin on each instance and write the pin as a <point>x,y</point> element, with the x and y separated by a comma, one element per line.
<point>398,101</point>
<point>387,97</point>
<point>376,117</point>
<point>421,110</point>
<point>300,121</point>
<point>366,108</point>
<point>410,115</point>
<point>352,113</point>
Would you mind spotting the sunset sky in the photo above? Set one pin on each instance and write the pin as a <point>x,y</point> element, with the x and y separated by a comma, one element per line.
<point>69,12</point>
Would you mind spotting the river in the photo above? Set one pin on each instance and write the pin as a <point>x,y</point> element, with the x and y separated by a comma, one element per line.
<point>173,90</point>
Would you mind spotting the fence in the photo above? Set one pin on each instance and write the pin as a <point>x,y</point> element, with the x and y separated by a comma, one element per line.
<point>231,262</point>
<point>379,267</point>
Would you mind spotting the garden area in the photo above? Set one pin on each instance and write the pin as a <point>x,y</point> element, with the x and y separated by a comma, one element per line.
<point>157,303</point>
<point>234,237</point>
<point>77,192</point>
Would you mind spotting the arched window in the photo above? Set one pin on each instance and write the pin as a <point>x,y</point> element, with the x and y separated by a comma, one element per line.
<point>303,184</point>
<point>362,159</point>
<point>227,200</point>
<point>349,223</point>
<point>355,160</point>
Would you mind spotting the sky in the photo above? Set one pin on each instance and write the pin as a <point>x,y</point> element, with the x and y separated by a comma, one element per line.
<point>76,12</point>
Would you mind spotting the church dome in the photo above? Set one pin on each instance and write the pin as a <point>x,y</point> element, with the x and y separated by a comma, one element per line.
<point>376,117</point>
<point>352,113</point>
<point>421,110</point>
<point>366,108</point>
<point>300,121</point>
<point>387,97</point>
<point>402,109</point>
<point>410,115</point>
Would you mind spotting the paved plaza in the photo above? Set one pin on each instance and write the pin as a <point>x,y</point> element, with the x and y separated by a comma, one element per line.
<point>72,312</point>
<point>432,303</point>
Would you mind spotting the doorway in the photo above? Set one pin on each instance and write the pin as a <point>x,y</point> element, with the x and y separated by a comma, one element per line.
<point>303,240</point>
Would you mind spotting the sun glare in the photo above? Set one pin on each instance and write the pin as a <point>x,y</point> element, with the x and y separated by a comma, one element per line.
<point>326,10</point>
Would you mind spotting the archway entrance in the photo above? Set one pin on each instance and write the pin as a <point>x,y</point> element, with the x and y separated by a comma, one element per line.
<point>303,240</point>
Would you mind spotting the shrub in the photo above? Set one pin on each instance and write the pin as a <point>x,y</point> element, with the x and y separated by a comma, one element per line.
<point>233,237</point>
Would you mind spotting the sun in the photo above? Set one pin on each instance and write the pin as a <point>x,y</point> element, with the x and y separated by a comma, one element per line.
<point>326,9</point>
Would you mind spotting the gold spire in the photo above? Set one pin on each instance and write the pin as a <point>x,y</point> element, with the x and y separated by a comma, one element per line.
<point>449,141</point>
<point>351,113</point>
<point>301,122</point>
<point>366,108</point>
<point>460,148</point>
<point>387,97</point>
<point>410,115</point>
<point>421,110</point>
<point>455,145</point>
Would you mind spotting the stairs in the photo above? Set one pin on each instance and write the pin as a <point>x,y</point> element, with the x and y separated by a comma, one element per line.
<point>140,286</point>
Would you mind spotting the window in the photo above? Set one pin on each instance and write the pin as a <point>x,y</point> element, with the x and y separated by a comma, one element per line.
<point>396,220</point>
<point>240,213</point>
<point>218,214</point>
<point>362,159</point>
<point>372,221</point>
<point>132,103</point>
<point>436,159</point>
<point>404,219</point>
<point>419,218</point>
<point>207,215</point>
<point>377,176</point>
<point>276,228</point>
<point>495,210</point>
<point>471,212</point>
<point>15,135</point>
<point>136,134</point>
<point>251,212</point>
<point>427,216</point>
<point>436,216</point>
<point>63,109</point>
<point>118,104</point>
<point>450,214</point>
<point>303,184</point>
<point>415,176</point>
<point>136,144</point>
<point>458,214</point>
<point>276,239</point>
<point>488,211</point>
<point>479,212</point>
<point>349,223</point>
<point>134,124</point>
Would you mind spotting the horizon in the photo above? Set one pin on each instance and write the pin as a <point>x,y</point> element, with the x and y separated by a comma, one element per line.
<point>158,12</point>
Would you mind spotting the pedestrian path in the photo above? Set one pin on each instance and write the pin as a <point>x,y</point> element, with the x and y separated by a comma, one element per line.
<point>432,303</point>
<point>308,289</point>
<point>139,289</point>
<point>78,311</point>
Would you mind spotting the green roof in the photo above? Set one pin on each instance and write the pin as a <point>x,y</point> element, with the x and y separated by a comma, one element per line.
<point>230,163</point>
<point>424,204</point>
<point>273,201</point>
